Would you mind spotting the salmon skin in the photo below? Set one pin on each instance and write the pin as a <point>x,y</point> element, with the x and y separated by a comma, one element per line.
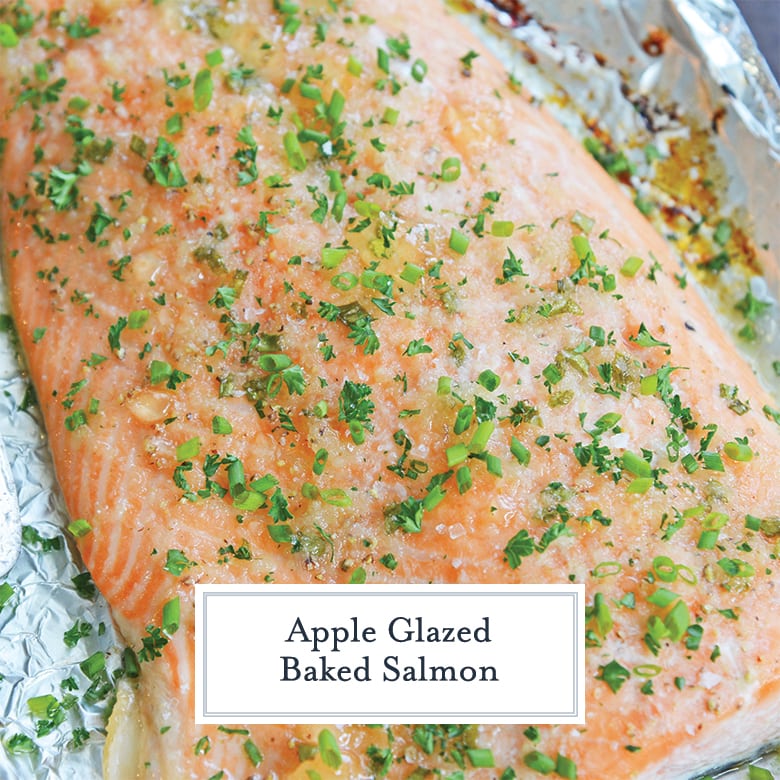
<point>311,293</point>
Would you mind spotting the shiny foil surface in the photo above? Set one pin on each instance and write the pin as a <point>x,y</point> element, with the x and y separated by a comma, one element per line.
<point>630,72</point>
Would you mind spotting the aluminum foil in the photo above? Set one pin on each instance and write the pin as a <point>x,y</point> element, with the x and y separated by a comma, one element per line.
<point>10,522</point>
<point>35,659</point>
<point>584,60</point>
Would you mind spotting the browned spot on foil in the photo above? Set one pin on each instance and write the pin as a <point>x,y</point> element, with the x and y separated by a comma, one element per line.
<point>655,41</point>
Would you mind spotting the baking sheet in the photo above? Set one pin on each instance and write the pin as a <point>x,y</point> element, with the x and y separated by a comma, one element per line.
<point>584,60</point>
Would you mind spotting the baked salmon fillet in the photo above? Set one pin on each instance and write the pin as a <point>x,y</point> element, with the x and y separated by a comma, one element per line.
<point>312,293</point>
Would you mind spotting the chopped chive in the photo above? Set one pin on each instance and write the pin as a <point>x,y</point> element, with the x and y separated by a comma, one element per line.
<point>736,568</point>
<point>463,417</point>
<point>354,67</point>
<point>648,384</point>
<point>79,528</point>
<point>607,421</point>
<point>93,665</point>
<point>685,573</point>
<point>138,146</point>
<point>137,319</point>
<point>450,169</point>
<point>335,184</point>
<point>188,449</point>
<point>291,25</point>
<point>412,273</point>
<point>607,569</point>
<point>481,757</point>
<point>539,762</point>
<point>329,749</point>
<point>707,540</point>
<point>335,497</point>
<point>202,746</point>
<point>647,670</point>
<point>598,335</point>
<point>493,465</point>
<point>583,221</point>
<point>253,753</point>
<point>712,461</point>
<point>463,478</point>
<point>333,256</point>
<point>489,380</point>
<point>677,621</point>
<point>602,614</point>
<point>739,452</point>
<point>214,58</point>
<point>714,521</point>
<point>281,534</point>
<point>344,281</point>
<point>171,615</point>
<point>456,454</point>
<point>358,576</point>
<point>481,436</point>
<point>174,124</point>
<point>383,60</point>
<point>310,91</point>
<point>565,767</point>
<point>336,106</point>
<point>662,597</point>
<point>294,152</point>
<point>320,459</point>
<point>41,706</point>
<point>631,266</point>
<point>664,568</point>
<point>419,70</point>
<point>273,362</point>
<point>502,228</point>
<point>339,202</point>
<point>6,591</point>
<point>640,485</point>
<point>159,371</point>
<point>203,89</point>
<point>459,242</point>
<point>8,36</point>
<point>309,135</point>
<point>310,491</point>
<point>357,431</point>
<point>552,373</point>
<point>635,465</point>
<point>433,499</point>
<point>722,232</point>
<point>220,425</point>
<point>520,451</point>
<point>78,103</point>
<point>390,116</point>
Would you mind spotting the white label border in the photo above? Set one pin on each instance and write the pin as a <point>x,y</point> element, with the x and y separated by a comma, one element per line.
<point>212,593</point>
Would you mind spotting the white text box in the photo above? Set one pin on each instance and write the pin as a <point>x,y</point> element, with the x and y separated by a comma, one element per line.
<point>389,653</point>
